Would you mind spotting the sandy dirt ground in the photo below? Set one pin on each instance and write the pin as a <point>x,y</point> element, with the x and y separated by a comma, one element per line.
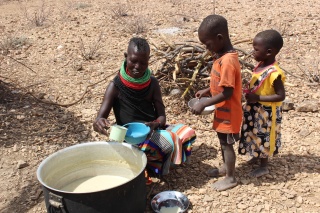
<point>56,62</point>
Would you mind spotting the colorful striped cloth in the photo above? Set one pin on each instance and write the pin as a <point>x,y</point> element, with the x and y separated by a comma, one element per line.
<point>168,147</point>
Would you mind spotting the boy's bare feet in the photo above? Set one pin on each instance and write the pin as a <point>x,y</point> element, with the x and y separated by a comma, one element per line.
<point>259,172</point>
<point>217,172</point>
<point>226,183</point>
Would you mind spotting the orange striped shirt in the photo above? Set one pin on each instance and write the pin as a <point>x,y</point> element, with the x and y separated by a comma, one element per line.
<point>226,72</point>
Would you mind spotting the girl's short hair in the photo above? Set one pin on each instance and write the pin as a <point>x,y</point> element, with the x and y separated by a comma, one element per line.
<point>272,38</point>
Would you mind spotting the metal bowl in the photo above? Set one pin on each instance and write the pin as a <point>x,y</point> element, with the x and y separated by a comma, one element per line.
<point>170,199</point>
<point>208,110</point>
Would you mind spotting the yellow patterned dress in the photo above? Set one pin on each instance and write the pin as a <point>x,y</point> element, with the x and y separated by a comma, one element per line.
<point>260,132</point>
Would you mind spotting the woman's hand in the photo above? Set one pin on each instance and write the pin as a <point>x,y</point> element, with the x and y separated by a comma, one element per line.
<point>100,125</point>
<point>252,98</point>
<point>153,126</point>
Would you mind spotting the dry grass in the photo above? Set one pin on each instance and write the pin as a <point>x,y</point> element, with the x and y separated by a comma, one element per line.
<point>6,1</point>
<point>90,51</point>
<point>137,25</point>
<point>131,24</point>
<point>68,6</point>
<point>39,16</point>
<point>65,10</point>
<point>175,2</point>
<point>81,5</point>
<point>120,10</point>
<point>311,73</point>
<point>11,42</point>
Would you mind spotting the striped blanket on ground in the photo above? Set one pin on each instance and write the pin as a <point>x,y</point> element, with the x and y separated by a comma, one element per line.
<point>168,147</point>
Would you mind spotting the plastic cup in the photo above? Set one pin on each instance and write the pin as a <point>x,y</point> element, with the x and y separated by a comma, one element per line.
<point>117,133</point>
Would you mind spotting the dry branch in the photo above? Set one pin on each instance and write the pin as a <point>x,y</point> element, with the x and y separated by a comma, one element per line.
<point>192,79</point>
<point>187,65</point>
<point>20,63</point>
<point>242,41</point>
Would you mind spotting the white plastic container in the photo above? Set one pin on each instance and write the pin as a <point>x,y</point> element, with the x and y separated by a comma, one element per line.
<point>117,133</point>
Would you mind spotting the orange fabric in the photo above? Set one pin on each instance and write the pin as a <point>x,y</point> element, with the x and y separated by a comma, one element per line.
<point>148,178</point>
<point>226,72</point>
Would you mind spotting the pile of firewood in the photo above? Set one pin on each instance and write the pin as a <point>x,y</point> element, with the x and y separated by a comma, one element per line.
<point>186,66</point>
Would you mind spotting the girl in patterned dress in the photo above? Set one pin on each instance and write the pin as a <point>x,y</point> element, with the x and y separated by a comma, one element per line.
<point>262,114</point>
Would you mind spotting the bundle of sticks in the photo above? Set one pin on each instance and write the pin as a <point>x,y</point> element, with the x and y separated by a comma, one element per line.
<point>187,66</point>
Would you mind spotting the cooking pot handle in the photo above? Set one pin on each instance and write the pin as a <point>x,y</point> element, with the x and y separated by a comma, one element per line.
<point>56,204</point>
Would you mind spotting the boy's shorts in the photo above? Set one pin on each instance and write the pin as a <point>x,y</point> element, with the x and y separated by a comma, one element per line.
<point>230,138</point>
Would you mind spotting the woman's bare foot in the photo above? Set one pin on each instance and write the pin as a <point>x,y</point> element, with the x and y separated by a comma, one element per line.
<point>259,172</point>
<point>217,172</point>
<point>226,183</point>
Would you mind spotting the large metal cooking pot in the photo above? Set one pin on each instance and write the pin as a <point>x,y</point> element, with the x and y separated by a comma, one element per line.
<point>84,178</point>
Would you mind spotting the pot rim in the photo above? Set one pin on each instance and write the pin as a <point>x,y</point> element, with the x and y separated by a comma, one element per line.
<point>47,159</point>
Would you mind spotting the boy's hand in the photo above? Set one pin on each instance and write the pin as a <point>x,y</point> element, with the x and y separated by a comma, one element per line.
<point>203,93</point>
<point>252,98</point>
<point>100,125</point>
<point>197,108</point>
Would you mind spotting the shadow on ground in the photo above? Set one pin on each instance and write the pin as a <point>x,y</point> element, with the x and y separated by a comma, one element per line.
<point>26,124</point>
<point>186,176</point>
<point>282,168</point>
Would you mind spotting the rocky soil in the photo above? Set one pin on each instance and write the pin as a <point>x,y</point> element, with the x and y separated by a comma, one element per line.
<point>58,56</point>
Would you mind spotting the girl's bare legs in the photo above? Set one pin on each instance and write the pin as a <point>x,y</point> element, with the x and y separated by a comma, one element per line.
<point>253,160</point>
<point>262,170</point>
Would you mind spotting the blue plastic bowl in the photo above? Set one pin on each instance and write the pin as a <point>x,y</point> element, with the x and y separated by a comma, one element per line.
<point>136,133</point>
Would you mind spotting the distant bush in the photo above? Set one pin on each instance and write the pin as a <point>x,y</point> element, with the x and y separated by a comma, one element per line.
<point>11,43</point>
<point>81,5</point>
<point>137,25</point>
<point>89,52</point>
<point>39,16</point>
<point>119,11</point>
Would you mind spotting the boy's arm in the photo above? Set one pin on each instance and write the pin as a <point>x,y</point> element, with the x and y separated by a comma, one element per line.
<point>224,95</point>
<point>203,93</point>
